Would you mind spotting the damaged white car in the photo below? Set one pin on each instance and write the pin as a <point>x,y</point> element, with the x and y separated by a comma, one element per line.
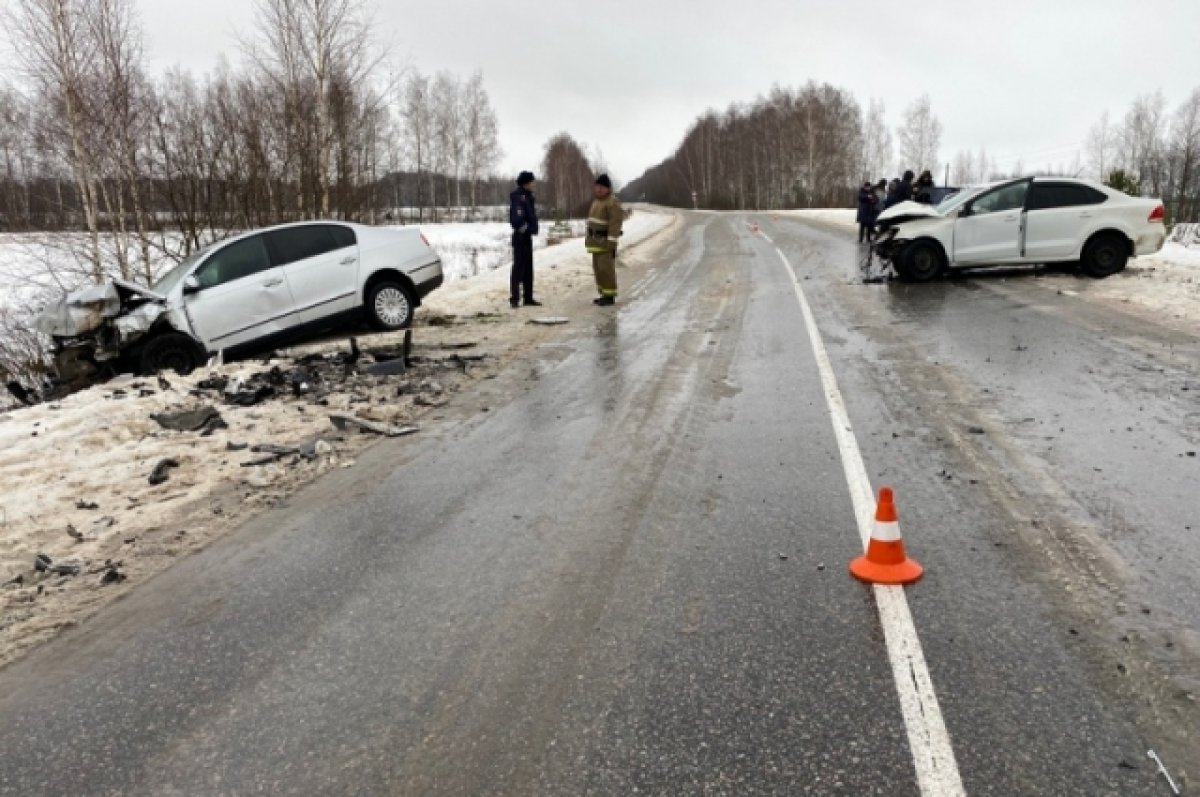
<point>246,293</point>
<point>1033,220</point>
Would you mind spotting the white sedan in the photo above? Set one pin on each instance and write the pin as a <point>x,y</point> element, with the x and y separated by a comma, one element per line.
<point>246,293</point>
<point>1033,220</point>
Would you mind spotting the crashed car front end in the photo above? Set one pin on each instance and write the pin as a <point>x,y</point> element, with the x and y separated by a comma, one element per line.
<point>899,226</point>
<point>95,327</point>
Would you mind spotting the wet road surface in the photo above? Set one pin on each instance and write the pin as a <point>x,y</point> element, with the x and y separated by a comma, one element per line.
<point>628,576</point>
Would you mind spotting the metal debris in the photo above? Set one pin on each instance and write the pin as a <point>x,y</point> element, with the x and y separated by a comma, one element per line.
<point>550,321</point>
<point>345,422</point>
<point>1162,768</point>
<point>161,471</point>
<point>205,419</point>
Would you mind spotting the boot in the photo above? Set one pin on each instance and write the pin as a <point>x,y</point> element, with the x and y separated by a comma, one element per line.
<point>604,301</point>
<point>532,303</point>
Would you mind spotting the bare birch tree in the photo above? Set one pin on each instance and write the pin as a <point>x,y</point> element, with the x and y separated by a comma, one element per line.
<point>920,137</point>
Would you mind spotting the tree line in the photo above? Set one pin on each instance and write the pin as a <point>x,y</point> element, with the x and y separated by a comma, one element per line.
<point>1152,150</point>
<point>313,123</point>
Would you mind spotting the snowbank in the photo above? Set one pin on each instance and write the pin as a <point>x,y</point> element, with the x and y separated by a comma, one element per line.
<point>840,218</point>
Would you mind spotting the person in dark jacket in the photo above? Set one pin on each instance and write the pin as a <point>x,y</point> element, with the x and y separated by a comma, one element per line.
<point>893,193</point>
<point>923,190</point>
<point>866,212</point>
<point>522,215</point>
<point>905,193</point>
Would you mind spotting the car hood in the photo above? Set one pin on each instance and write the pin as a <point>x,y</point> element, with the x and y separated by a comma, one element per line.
<point>87,309</point>
<point>907,211</point>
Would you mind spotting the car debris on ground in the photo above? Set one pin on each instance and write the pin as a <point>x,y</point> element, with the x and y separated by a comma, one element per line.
<point>162,470</point>
<point>346,422</point>
<point>201,419</point>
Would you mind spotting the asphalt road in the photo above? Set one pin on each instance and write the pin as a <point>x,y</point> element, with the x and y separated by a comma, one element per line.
<point>628,575</point>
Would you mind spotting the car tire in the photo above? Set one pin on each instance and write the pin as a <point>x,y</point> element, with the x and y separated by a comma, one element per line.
<point>390,305</point>
<point>170,351</point>
<point>1105,255</point>
<point>921,261</point>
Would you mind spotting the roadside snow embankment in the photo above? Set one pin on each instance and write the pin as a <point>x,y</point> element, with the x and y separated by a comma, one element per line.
<point>472,250</point>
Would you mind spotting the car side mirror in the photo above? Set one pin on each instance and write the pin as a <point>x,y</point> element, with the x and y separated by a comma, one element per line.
<point>964,211</point>
<point>191,284</point>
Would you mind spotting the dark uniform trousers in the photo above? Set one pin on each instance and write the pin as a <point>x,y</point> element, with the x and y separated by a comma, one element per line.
<point>522,270</point>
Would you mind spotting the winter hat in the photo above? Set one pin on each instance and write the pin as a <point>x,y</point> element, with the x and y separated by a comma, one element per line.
<point>525,178</point>
<point>604,181</point>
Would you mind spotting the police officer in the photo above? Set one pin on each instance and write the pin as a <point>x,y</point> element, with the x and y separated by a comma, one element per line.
<point>603,233</point>
<point>522,215</point>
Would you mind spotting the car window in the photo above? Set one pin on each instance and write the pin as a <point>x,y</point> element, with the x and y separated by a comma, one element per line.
<point>1043,196</point>
<point>1009,197</point>
<point>344,236</point>
<point>301,243</point>
<point>240,259</point>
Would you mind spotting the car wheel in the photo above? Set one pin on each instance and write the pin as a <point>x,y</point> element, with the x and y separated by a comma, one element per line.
<point>920,261</point>
<point>1104,256</point>
<point>390,305</point>
<point>171,351</point>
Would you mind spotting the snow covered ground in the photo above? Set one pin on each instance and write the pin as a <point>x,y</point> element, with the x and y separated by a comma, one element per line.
<point>74,473</point>
<point>468,250</point>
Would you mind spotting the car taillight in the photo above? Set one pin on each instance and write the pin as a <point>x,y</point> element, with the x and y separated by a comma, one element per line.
<point>1157,214</point>
<point>425,240</point>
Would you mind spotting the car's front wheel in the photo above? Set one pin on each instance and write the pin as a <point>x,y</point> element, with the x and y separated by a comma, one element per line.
<point>921,261</point>
<point>170,351</point>
<point>390,305</point>
<point>1104,256</point>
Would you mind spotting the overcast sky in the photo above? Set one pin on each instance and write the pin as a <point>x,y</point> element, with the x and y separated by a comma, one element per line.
<point>1023,78</point>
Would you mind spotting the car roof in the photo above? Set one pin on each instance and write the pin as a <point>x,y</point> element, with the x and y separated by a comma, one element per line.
<point>289,225</point>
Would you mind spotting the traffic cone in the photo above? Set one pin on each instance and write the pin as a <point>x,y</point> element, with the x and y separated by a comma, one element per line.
<point>885,561</point>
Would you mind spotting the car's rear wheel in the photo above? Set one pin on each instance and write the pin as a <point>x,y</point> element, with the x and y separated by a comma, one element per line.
<point>921,261</point>
<point>170,351</point>
<point>1105,255</point>
<point>390,305</point>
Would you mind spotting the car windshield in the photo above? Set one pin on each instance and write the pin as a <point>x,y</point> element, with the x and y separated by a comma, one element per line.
<point>167,282</point>
<point>951,202</point>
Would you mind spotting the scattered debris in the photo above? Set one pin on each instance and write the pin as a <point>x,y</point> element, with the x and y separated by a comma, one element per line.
<point>112,573</point>
<point>550,321</point>
<point>345,422</point>
<point>161,471</point>
<point>82,504</point>
<point>44,564</point>
<point>205,419</point>
<point>248,398</point>
<point>976,430</point>
<point>392,367</point>
<point>232,446</point>
<point>783,556</point>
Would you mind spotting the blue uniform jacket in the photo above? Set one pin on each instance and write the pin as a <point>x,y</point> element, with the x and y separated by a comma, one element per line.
<point>522,212</point>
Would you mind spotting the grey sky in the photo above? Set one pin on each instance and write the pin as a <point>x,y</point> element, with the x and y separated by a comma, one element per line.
<point>1022,78</point>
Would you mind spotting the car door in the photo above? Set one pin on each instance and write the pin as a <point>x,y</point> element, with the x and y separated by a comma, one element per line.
<point>989,227</point>
<point>1059,215</point>
<point>321,265</point>
<point>242,296</point>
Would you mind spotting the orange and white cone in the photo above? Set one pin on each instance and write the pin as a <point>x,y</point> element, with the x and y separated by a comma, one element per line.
<point>885,561</point>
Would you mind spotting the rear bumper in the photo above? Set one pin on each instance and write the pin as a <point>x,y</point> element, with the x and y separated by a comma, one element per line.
<point>428,279</point>
<point>1150,243</point>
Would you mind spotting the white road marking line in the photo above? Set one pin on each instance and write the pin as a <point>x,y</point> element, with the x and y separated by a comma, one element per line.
<point>933,755</point>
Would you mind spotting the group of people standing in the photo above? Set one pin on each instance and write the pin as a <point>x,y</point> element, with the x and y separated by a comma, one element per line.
<point>876,198</point>
<point>605,219</point>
